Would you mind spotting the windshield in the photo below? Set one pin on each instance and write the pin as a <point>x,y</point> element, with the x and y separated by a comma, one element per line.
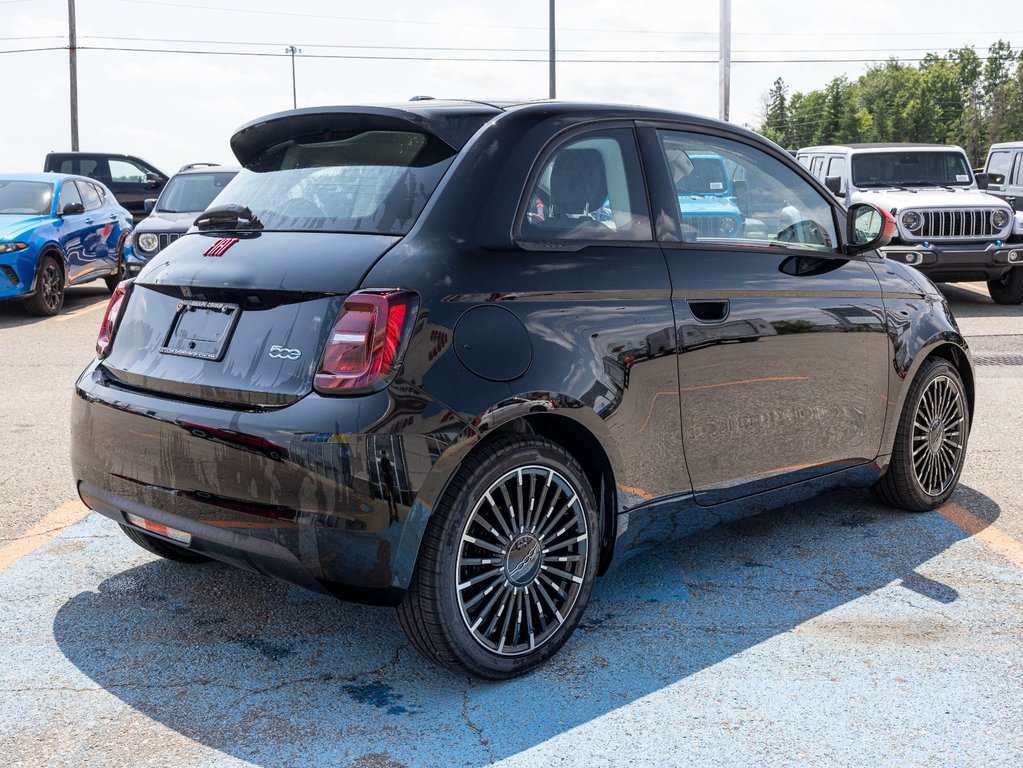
<point>34,198</point>
<point>191,193</point>
<point>897,169</point>
<point>358,181</point>
<point>706,178</point>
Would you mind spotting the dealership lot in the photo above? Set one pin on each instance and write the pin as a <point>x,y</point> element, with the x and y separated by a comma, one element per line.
<point>830,633</point>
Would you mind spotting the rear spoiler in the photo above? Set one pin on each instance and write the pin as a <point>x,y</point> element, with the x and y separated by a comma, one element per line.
<point>453,126</point>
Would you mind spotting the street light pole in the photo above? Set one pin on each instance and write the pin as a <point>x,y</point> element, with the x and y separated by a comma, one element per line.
<point>294,92</point>
<point>72,40</point>
<point>552,49</point>
<point>726,56</point>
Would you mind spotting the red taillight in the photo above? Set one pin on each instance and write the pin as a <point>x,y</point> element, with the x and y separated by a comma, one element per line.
<point>108,327</point>
<point>364,345</point>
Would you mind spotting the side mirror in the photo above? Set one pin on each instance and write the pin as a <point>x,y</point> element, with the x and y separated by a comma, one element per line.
<point>834,184</point>
<point>869,228</point>
<point>72,208</point>
<point>983,179</point>
<point>153,180</point>
<point>149,205</point>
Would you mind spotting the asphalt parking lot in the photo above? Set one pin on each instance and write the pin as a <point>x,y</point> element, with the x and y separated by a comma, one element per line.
<point>832,633</point>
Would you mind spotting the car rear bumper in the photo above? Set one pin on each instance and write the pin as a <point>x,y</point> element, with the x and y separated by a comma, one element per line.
<point>957,263</point>
<point>294,493</point>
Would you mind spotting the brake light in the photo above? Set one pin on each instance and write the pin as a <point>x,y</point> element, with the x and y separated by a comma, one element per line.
<point>364,347</point>
<point>112,317</point>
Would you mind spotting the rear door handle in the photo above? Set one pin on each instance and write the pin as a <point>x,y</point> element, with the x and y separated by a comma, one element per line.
<point>709,311</point>
<point>88,221</point>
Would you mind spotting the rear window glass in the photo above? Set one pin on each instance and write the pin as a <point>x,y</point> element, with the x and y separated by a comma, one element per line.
<point>192,192</point>
<point>29,197</point>
<point>359,181</point>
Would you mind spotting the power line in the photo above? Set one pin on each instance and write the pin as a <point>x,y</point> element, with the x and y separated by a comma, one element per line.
<point>450,23</point>
<point>420,22</point>
<point>488,49</point>
<point>485,59</point>
<point>34,50</point>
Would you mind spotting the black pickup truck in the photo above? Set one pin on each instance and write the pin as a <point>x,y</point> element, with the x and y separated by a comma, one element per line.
<point>131,179</point>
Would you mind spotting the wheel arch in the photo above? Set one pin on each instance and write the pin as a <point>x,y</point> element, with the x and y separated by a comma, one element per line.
<point>47,250</point>
<point>585,448</point>
<point>958,359</point>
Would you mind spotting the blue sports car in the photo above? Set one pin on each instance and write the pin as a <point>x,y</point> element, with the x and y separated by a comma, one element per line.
<point>58,230</point>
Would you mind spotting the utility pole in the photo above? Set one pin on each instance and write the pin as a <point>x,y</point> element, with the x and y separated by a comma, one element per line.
<point>552,49</point>
<point>726,56</point>
<point>294,92</point>
<point>72,40</point>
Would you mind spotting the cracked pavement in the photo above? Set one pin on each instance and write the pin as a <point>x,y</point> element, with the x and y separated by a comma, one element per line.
<point>831,633</point>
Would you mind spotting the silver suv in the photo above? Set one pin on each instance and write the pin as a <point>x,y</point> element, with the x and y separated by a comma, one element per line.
<point>947,227</point>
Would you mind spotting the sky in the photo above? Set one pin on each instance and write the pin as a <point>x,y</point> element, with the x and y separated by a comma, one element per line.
<point>180,95</point>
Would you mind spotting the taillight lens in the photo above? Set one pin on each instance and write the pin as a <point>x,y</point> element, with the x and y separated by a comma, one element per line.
<point>364,347</point>
<point>112,316</point>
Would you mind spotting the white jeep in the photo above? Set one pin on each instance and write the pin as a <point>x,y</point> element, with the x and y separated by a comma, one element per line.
<point>947,227</point>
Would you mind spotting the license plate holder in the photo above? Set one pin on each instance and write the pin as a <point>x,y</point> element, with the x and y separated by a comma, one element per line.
<point>201,329</point>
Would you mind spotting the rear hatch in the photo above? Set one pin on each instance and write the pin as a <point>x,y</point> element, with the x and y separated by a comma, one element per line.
<point>237,312</point>
<point>242,328</point>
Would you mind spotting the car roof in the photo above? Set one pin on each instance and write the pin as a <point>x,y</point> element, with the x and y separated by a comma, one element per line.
<point>1008,145</point>
<point>210,169</point>
<point>40,176</point>
<point>453,121</point>
<point>882,147</point>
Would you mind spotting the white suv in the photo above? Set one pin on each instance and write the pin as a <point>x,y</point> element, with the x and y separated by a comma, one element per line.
<point>948,228</point>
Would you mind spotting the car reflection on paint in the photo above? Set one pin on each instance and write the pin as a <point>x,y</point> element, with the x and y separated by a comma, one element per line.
<point>57,230</point>
<point>462,358</point>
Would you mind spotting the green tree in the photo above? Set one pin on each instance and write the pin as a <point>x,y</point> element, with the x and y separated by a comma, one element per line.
<point>952,98</point>
<point>776,119</point>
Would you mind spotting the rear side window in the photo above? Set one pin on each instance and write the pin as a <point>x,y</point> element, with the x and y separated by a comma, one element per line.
<point>998,166</point>
<point>590,188</point>
<point>372,181</point>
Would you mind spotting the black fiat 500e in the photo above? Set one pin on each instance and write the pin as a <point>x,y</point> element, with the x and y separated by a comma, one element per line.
<point>461,357</point>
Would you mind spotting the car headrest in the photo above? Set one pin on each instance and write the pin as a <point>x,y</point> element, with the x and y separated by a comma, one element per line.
<point>578,181</point>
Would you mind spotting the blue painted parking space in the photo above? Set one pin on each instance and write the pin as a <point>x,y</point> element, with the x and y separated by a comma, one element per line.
<point>835,632</point>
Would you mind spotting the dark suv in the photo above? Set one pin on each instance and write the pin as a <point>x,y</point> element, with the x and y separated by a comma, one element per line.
<point>462,358</point>
<point>130,179</point>
<point>186,196</point>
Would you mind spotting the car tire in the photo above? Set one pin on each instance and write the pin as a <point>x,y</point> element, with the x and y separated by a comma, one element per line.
<point>500,584</point>
<point>48,297</point>
<point>115,279</point>
<point>930,443</point>
<point>1008,289</point>
<point>162,548</point>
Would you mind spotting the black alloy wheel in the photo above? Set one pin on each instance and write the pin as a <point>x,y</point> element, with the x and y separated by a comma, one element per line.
<point>48,297</point>
<point>508,561</point>
<point>164,549</point>
<point>930,445</point>
<point>1008,289</point>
